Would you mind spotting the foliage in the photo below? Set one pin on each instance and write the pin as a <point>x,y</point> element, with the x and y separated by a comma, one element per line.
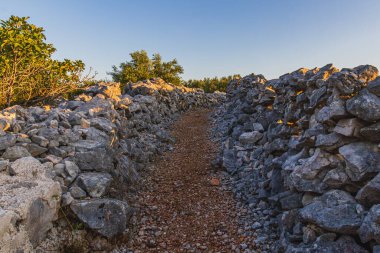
<point>27,71</point>
<point>211,84</point>
<point>141,67</point>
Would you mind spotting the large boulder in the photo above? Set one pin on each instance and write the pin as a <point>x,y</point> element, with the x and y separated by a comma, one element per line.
<point>370,194</point>
<point>362,159</point>
<point>324,212</point>
<point>29,203</point>
<point>365,106</point>
<point>370,228</point>
<point>335,110</point>
<point>109,217</point>
<point>349,127</point>
<point>308,175</point>
<point>326,243</point>
<point>93,156</point>
<point>95,160</point>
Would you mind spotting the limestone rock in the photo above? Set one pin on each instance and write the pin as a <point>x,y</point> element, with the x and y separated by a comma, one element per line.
<point>250,137</point>
<point>95,184</point>
<point>370,228</point>
<point>28,205</point>
<point>374,86</point>
<point>362,159</point>
<point>109,217</point>
<point>324,212</point>
<point>7,141</point>
<point>372,132</point>
<point>15,152</point>
<point>77,192</point>
<point>349,127</point>
<point>370,194</point>
<point>365,106</point>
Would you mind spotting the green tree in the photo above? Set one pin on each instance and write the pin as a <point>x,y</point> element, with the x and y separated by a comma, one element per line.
<point>27,71</point>
<point>141,67</point>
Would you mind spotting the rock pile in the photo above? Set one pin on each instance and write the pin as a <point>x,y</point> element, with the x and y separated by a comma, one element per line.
<point>71,154</point>
<point>306,146</point>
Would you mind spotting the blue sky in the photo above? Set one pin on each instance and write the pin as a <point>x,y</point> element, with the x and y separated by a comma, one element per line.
<point>210,37</point>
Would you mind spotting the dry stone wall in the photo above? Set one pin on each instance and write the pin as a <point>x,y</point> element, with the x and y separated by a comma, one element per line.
<point>306,147</point>
<point>68,156</point>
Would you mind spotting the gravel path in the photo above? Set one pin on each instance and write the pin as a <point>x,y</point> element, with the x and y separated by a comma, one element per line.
<point>185,207</point>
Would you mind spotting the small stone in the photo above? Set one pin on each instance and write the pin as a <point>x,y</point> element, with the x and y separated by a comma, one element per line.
<point>40,140</point>
<point>72,169</point>
<point>53,123</point>
<point>77,192</point>
<point>4,124</point>
<point>54,159</point>
<point>250,137</point>
<point>84,123</point>
<point>256,225</point>
<point>66,199</point>
<point>4,165</point>
<point>215,182</point>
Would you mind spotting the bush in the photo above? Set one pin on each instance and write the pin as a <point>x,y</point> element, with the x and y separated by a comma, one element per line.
<point>27,71</point>
<point>211,84</point>
<point>141,67</point>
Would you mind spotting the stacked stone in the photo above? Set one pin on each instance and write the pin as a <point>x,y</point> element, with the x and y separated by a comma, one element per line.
<point>306,146</point>
<point>70,155</point>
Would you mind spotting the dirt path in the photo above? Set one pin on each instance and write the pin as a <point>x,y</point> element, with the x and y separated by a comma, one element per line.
<point>185,209</point>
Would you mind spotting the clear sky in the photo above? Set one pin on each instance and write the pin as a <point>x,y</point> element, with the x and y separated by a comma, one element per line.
<point>210,37</point>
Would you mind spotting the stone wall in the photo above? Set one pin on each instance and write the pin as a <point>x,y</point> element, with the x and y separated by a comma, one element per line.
<point>70,155</point>
<point>306,146</point>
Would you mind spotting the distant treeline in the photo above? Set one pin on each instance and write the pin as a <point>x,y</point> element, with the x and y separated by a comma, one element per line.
<point>211,84</point>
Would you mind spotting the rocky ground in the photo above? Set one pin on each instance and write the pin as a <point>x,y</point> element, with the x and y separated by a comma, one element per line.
<point>185,209</point>
<point>188,207</point>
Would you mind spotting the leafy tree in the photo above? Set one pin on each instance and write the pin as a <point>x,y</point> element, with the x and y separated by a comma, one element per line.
<point>141,67</point>
<point>27,71</point>
<point>211,84</point>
